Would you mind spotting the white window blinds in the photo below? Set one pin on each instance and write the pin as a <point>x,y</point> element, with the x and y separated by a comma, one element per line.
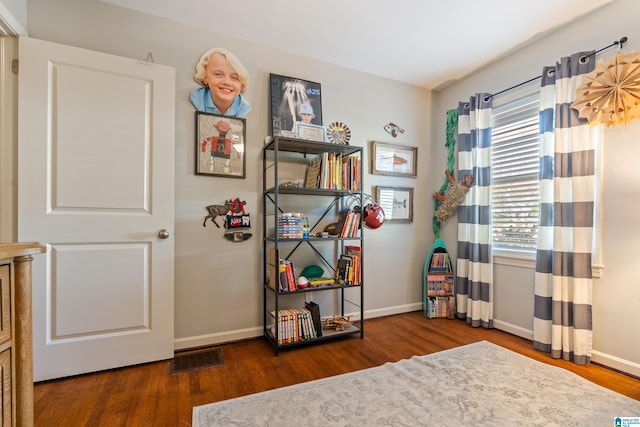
<point>514,173</point>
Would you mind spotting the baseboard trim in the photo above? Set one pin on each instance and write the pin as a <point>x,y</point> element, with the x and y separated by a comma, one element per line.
<point>243,334</point>
<point>606,360</point>
<point>621,365</point>
<point>217,338</point>
<point>513,329</point>
<point>388,311</point>
<point>624,366</point>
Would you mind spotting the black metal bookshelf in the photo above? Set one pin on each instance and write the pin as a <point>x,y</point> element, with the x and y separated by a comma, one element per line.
<point>332,200</point>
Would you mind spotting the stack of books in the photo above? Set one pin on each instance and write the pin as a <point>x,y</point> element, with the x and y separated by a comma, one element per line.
<point>348,223</point>
<point>334,172</point>
<point>440,307</point>
<point>293,226</point>
<point>439,262</point>
<point>294,324</point>
<point>284,279</point>
<point>439,285</point>
<point>348,270</point>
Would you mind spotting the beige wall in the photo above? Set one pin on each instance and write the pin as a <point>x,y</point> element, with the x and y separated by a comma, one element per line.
<point>616,296</point>
<point>218,292</point>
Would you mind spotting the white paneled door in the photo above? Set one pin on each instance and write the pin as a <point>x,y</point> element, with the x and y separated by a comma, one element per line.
<point>96,185</point>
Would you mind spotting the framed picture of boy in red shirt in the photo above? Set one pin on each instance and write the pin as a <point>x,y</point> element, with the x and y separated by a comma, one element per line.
<point>220,145</point>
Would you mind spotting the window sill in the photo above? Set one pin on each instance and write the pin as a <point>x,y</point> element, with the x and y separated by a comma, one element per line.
<point>514,258</point>
<point>596,271</point>
<point>528,260</point>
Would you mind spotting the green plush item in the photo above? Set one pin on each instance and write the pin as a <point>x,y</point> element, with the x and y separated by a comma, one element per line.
<point>452,123</point>
<point>312,271</point>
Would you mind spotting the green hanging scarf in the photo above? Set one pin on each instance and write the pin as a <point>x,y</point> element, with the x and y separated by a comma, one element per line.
<point>452,123</point>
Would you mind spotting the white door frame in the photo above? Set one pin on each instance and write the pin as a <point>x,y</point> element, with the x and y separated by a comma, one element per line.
<point>10,28</point>
<point>8,139</point>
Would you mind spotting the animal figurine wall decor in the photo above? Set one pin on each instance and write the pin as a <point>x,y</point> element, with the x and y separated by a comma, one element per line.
<point>215,211</point>
<point>393,129</point>
<point>452,197</point>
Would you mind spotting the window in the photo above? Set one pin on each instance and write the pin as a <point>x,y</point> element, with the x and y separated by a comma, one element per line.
<point>514,174</point>
<point>515,193</point>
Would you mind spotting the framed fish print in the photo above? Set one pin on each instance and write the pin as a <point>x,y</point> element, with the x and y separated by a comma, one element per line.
<point>396,202</point>
<point>393,159</point>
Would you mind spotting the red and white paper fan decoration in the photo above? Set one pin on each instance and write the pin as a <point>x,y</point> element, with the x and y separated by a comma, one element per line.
<point>610,94</point>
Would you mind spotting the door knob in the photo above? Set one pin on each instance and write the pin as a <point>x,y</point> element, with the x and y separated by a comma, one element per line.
<point>163,234</point>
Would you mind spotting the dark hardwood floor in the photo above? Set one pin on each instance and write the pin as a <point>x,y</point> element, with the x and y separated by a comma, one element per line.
<point>148,395</point>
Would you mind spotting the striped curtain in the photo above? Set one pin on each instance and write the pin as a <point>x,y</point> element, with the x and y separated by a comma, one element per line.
<point>563,283</point>
<point>474,272</point>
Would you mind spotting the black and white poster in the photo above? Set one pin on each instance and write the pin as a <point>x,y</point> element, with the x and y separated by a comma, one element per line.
<point>294,101</point>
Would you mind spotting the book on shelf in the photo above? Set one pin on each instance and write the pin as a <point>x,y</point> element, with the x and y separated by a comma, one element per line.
<point>314,309</point>
<point>313,173</point>
<point>348,270</point>
<point>352,250</point>
<point>291,276</point>
<point>355,225</point>
<point>342,220</point>
<point>322,180</point>
<point>321,282</point>
<point>439,262</point>
<point>309,324</point>
<point>285,324</point>
<point>440,288</point>
<point>293,326</point>
<point>438,306</point>
<point>285,280</point>
<point>302,325</point>
<point>347,223</point>
<point>342,270</point>
<point>345,230</point>
<point>350,228</point>
<point>273,270</point>
<point>282,319</point>
<point>353,253</point>
<point>283,285</point>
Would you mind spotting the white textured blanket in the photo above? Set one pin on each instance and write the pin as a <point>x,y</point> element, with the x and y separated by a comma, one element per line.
<point>479,384</point>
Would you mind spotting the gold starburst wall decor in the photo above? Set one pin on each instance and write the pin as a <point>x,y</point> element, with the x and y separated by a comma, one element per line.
<point>610,94</point>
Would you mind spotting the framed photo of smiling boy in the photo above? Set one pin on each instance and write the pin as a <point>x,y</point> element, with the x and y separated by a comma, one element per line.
<point>223,81</point>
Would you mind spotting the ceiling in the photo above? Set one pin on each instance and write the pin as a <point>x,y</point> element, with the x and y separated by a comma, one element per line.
<point>426,43</point>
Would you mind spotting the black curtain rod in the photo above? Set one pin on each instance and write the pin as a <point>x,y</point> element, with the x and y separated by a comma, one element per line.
<point>620,42</point>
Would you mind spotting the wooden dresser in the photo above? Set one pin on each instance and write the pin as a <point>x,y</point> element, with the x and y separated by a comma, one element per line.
<point>16,345</point>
